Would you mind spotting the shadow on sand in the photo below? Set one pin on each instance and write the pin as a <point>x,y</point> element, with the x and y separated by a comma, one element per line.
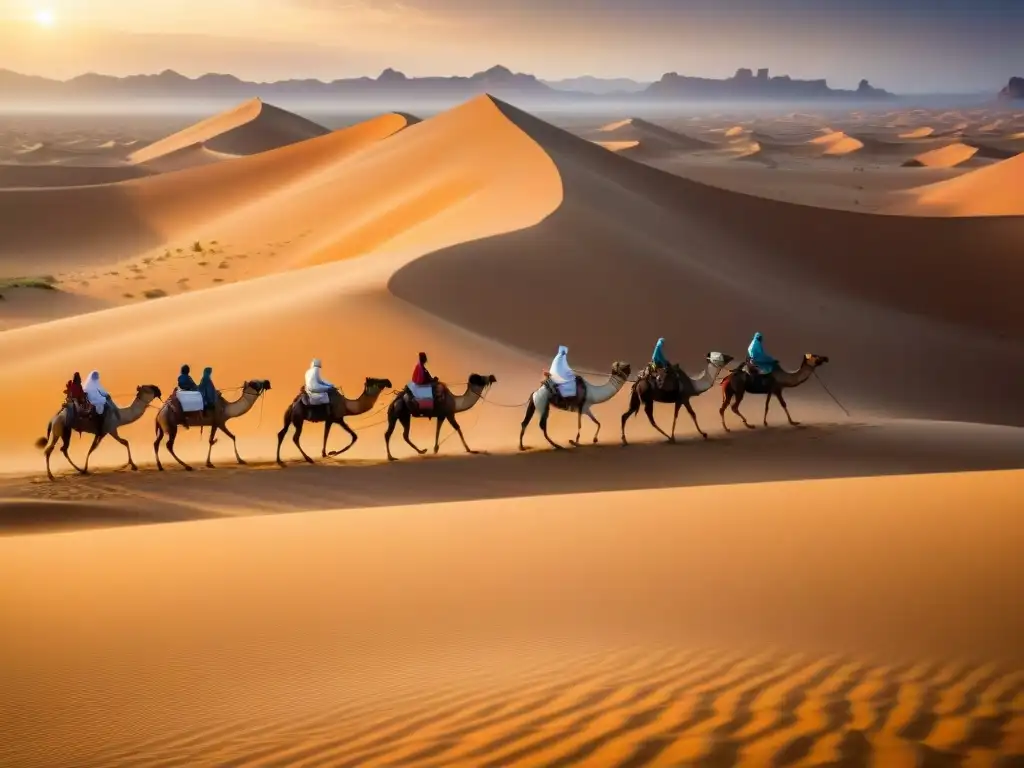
<point>777,454</point>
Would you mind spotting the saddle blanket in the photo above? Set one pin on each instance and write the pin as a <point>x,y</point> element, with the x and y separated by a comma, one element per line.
<point>190,401</point>
<point>318,398</point>
<point>423,394</point>
<point>566,389</point>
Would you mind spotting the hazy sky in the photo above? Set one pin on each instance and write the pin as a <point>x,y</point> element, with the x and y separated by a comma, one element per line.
<point>903,45</point>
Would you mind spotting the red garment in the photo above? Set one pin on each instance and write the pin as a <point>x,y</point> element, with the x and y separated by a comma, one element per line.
<point>421,376</point>
<point>74,391</point>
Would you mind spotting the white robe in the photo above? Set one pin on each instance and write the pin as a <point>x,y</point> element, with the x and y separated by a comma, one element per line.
<point>315,383</point>
<point>95,393</point>
<point>562,374</point>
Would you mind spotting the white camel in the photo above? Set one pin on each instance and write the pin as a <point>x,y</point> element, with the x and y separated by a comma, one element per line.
<point>588,395</point>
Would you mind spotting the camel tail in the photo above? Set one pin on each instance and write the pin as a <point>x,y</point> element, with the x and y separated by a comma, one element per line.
<point>42,441</point>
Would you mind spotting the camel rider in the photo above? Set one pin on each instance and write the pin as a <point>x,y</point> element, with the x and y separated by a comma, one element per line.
<point>315,383</point>
<point>420,375</point>
<point>758,359</point>
<point>658,359</point>
<point>208,390</point>
<point>73,392</point>
<point>562,375</point>
<point>185,381</point>
<point>96,395</point>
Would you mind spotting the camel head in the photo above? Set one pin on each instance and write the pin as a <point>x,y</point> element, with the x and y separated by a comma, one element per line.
<point>148,392</point>
<point>815,360</point>
<point>476,380</point>
<point>375,386</point>
<point>256,386</point>
<point>719,359</point>
<point>621,370</point>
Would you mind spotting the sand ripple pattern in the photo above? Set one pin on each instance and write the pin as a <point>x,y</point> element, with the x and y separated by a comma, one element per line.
<point>706,709</point>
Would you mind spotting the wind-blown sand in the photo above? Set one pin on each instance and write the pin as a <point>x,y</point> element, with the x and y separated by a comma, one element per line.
<point>945,157</point>
<point>997,190</point>
<point>789,596</point>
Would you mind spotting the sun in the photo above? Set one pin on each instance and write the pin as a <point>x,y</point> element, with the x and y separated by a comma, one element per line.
<point>44,17</point>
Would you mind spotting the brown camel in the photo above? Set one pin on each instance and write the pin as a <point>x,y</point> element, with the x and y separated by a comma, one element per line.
<point>740,382</point>
<point>675,387</point>
<point>170,417</point>
<point>404,408</point>
<point>73,418</point>
<point>330,413</point>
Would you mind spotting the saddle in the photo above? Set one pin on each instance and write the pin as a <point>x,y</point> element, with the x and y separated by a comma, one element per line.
<point>558,400</point>
<point>663,377</point>
<point>422,400</point>
<point>755,378</point>
<point>318,406</point>
<point>80,416</point>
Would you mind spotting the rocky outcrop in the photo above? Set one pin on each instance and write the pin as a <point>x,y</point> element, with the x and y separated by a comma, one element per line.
<point>1014,90</point>
<point>745,85</point>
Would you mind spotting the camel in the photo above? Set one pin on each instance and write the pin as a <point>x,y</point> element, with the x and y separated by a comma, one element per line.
<point>587,396</point>
<point>170,418</point>
<point>446,405</point>
<point>69,419</point>
<point>331,413</point>
<point>740,382</point>
<point>677,387</point>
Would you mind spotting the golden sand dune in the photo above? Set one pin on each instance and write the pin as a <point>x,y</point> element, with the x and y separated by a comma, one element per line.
<point>996,190</point>
<point>247,129</point>
<point>736,130</point>
<point>530,632</point>
<point>618,146</point>
<point>944,157</point>
<point>837,143</point>
<point>652,138</point>
<point>106,223</point>
<point>918,133</point>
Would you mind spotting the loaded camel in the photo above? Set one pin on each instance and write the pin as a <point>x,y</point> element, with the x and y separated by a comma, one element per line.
<point>587,396</point>
<point>331,413</point>
<point>740,382</point>
<point>72,418</point>
<point>404,408</point>
<point>169,418</point>
<point>674,386</point>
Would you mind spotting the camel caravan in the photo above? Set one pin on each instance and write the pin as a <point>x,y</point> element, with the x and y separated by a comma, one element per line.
<point>89,409</point>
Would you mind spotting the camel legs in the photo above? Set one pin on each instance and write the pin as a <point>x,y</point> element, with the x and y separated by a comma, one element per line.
<point>234,443</point>
<point>579,427</point>
<point>327,431</point>
<point>649,410</point>
<point>689,410</point>
<point>437,435</point>
<point>726,398</point>
<point>530,410</point>
<point>634,408</point>
<point>351,433</point>
<point>406,420</point>
<point>283,434</point>
<point>590,415</point>
<point>455,425</point>
<point>784,407</point>
<point>544,427</point>
<point>209,452</point>
<point>172,435</point>
<point>127,447</point>
<point>95,442</point>
<point>296,436</point>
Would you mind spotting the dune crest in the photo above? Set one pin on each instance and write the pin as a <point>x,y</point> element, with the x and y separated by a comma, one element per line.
<point>918,133</point>
<point>652,138</point>
<point>997,190</point>
<point>949,156</point>
<point>247,129</point>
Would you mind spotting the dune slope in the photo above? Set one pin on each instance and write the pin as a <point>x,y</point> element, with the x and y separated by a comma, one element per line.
<point>997,190</point>
<point>247,129</point>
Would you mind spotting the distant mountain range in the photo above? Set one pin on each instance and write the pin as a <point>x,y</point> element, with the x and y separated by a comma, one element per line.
<point>1014,90</point>
<point>391,85</point>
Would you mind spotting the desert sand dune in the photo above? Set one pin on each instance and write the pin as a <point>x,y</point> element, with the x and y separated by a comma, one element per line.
<point>836,143</point>
<point>13,176</point>
<point>530,632</point>
<point>651,138</point>
<point>918,133</point>
<point>746,615</point>
<point>103,224</point>
<point>945,157</point>
<point>996,190</point>
<point>249,128</point>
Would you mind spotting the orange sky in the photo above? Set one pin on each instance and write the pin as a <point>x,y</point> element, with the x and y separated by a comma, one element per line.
<point>911,45</point>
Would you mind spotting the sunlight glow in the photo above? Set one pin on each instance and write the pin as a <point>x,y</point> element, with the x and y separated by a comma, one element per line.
<point>45,17</point>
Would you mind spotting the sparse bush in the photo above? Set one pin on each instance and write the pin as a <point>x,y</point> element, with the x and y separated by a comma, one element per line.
<point>223,265</point>
<point>197,247</point>
<point>45,283</point>
<point>154,293</point>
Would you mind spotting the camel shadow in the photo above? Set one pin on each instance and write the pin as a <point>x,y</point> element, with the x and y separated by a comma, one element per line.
<point>812,452</point>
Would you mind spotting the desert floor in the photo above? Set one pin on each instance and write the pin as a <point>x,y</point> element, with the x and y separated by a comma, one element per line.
<point>845,592</point>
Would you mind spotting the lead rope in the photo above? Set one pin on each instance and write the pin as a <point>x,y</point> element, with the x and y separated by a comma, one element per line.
<point>829,392</point>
